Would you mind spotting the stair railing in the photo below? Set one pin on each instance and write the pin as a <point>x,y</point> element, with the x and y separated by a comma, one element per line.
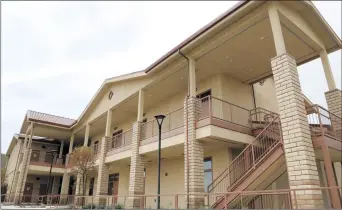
<point>249,158</point>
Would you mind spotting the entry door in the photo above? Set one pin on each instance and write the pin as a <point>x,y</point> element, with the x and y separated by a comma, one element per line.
<point>117,141</point>
<point>204,97</point>
<point>43,192</point>
<point>28,192</point>
<point>113,185</point>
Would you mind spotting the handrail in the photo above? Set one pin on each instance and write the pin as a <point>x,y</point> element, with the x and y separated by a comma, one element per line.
<point>150,127</point>
<point>119,140</point>
<point>325,123</point>
<point>260,146</point>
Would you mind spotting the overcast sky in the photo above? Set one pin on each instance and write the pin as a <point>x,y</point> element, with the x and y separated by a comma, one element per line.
<point>55,55</point>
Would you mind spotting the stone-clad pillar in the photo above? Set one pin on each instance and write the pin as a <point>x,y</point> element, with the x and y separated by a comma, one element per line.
<point>102,175</point>
<point>193,155</point>
<point>334,101</point>
<point>299,153</point>
<point>136,176</point>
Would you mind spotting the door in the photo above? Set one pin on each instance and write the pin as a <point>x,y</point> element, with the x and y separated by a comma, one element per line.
<point>113,185</point>
<point>42,193</point>
<point>28,192</point>
<point>205,100</point>
<point>117,139</point>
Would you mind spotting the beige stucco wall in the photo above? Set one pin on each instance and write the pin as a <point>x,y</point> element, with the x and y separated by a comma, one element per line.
<point>121,91</point>
<point>12,161</point>
<point>171,184</point>
<point>265,96</point>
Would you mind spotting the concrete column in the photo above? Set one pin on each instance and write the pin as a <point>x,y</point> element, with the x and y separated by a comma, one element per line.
<point>61,149</point>
<point>299,153</point>
<point>23,168</point>
<point>192,77</point>
<point>276,28</point>
<point>338,174</point>
<point>102,175</point>
<point>109,123</point>
<point>86,135</point>
<point>65,188</point>
<point>334,194</point>
<point>55,185</point>
<point>193,155</point>
<point>72,138</point>
<point>327,70</point>
<point>136,176</point>
<point>141,101</point>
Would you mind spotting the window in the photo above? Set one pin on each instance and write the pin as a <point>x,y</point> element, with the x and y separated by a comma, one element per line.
<point>208,172</point>
<point>91,186</point>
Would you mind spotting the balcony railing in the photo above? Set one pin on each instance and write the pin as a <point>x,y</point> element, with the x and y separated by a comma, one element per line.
<point>95,149</point>
<point>323,122</point>
<point>172,121</point>
<point>216,108</point>
<point>119,140</point>
<point>42,158</point>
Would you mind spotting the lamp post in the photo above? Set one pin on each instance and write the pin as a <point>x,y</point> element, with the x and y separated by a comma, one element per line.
<point>53,152</point>
<point>159,119</point>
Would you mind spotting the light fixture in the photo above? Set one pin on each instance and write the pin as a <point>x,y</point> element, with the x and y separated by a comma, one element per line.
<point>262,37</point>
<point>160,119</point>
<point>181,77</point>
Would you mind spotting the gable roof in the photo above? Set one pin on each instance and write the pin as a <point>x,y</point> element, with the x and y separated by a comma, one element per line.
<point>50,119</point>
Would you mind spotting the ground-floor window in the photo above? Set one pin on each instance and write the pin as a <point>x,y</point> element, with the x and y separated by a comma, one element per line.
<point>208,172</point>
<point>91,186</point>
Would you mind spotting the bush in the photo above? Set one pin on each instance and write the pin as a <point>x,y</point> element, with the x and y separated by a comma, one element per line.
<point>118,206</point>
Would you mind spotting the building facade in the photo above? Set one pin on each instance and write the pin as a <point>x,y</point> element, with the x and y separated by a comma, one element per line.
<point>236,120</point>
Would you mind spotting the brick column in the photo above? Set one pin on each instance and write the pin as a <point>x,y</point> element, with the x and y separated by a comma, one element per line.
<point>334,101</point>
<point>102,175</point>
<point>136,176</point>
<point>299,153</point>
<point>193,155</point>
<point>22,175</point>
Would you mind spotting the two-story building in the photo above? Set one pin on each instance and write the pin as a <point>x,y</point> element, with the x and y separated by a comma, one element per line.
<point>236,120</point>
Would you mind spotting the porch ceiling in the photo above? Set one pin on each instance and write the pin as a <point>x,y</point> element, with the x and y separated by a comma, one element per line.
<point>246,56</point>
<point>51,132</point>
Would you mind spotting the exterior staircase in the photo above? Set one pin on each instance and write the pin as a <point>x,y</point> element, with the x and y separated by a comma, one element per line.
<point>253,166</point>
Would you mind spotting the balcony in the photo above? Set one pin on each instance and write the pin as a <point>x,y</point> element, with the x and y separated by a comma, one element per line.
<point>324,126</point>
<point>120,142</point>
<point>172,126</point>
<point>41,161</point>
<point>222,120</point>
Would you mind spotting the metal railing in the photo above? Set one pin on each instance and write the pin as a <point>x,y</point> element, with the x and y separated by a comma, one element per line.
<point>323,122</point>
<point>247,160</point>
<point>259,117</point>
<point>119,140</point>
<point>43,158</point>
<point>217,108</point>
<point>172,121</point>
<point>257,199</point>
<point>95,150</point>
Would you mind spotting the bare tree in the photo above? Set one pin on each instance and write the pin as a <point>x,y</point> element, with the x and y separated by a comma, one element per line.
<point>83,164</point>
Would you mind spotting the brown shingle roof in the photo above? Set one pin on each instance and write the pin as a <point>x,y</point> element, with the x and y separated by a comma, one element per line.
<point>50,119</point>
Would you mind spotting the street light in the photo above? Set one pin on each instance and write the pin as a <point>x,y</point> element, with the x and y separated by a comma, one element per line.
<point>53,152</point>
<point>159,119</point>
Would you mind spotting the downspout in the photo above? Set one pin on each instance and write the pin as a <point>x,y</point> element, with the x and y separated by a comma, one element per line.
<point>186,135</point>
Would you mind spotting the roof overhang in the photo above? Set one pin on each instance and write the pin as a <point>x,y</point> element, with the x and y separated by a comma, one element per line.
<point>309,13</point>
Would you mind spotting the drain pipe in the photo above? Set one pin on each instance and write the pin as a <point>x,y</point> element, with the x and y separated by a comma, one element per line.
<point>186,136</point>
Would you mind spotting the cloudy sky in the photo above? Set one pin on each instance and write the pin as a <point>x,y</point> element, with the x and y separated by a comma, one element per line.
<point>55,55</point>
